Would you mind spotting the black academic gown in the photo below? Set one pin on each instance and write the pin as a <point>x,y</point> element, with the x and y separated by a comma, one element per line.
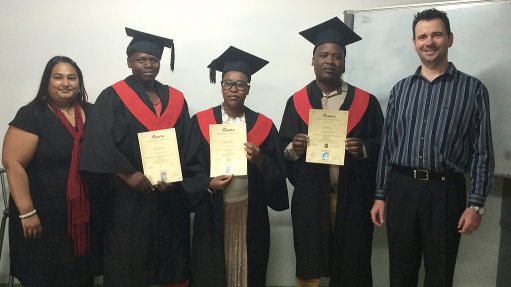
<point>267,188</point>
<point>344,256</point>
<point>147,235</point>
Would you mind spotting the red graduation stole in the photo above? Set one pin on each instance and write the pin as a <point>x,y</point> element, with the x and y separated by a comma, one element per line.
<point>256,135</point>
<point>143,114</point>
<point>356,111</point>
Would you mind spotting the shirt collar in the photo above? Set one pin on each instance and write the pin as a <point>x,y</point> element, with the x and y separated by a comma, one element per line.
<point>226,119</point>
<point>342,88</point>
<point>451,70</point>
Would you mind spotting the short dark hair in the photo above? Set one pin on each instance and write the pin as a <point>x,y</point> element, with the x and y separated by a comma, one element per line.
<point>42,96</point>
<point>430,14</point>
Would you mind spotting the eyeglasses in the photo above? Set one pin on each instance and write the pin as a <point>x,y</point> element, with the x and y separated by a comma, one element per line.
<point>240,85</point>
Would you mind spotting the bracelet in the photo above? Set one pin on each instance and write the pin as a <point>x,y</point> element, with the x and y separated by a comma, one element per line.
<point>26,215</point>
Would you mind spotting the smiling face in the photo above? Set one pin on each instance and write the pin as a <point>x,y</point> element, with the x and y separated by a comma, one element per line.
<point>432,42</point>
<point>328,62</point>
<point>64,84</point>
<point>233,98</point>
<point>144,67</point>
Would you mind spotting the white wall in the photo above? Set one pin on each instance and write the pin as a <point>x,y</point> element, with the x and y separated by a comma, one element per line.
<point>92,33</point>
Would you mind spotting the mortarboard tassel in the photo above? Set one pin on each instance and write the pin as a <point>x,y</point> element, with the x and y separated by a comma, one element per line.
<point>172,56</point>
<point>212,73</point>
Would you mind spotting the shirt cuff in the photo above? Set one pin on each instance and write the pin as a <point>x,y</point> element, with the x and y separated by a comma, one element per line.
<point>475,199</point>
<point>380,194</point>
<point>289,153</point>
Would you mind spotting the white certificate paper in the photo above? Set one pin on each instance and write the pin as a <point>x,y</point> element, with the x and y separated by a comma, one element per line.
<point>327,136</point>
<point>160,155</point>
<point>227,149</point>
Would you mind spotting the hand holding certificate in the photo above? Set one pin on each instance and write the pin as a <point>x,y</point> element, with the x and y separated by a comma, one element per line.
<point>327,136</point>
<point>160,155</point>
<point>227,151</point>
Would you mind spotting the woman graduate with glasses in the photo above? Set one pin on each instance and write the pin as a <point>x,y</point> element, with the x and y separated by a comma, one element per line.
<point>231,234</point>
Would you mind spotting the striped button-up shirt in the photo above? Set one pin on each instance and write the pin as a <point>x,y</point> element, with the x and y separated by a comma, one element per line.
<point>443,125</point>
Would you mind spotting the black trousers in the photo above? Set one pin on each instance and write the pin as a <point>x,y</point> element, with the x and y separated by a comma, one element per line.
<point>422,219</point>
<point>503,274</point>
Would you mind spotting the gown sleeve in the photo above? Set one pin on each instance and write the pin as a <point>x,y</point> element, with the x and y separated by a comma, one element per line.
<point>375,129</point>
<point>289,127</point>
<point>196,165</point>
<point>99,153</point>
<point>274,173</point>
<point>182,135</point>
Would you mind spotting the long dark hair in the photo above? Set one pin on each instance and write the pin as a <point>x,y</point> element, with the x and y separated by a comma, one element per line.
<point>42,96</point>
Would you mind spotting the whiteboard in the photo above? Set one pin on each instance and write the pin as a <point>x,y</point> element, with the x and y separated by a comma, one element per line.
<point>481,48</point>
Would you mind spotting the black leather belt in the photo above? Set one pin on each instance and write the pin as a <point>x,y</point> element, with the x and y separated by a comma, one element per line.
<point>424,174</point>
<point>333,189</point>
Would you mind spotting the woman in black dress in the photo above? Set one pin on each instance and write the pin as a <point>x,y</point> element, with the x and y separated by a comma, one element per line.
<point>49,204</point>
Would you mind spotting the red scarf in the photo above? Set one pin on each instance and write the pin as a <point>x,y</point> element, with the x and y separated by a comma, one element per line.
<point>77,190</point>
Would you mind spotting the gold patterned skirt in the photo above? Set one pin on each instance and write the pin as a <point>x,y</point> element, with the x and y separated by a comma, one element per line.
<point>235,242</point>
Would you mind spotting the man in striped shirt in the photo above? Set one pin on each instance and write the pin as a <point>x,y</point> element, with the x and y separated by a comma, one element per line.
<point>437,128</point>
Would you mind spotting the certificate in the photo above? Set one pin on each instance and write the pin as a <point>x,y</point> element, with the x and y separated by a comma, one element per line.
<point>327,136</point>
<point>227,149</point>
<point>160,155</point>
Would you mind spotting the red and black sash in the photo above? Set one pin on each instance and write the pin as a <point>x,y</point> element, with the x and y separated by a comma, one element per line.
<point>143,114</point>
<point>256,135</point>
<point>356,111</point>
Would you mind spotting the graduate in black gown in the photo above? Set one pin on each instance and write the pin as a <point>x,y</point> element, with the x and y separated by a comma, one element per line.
<point>331,205</point>
<point>231,233</point>
<point>147,224</point>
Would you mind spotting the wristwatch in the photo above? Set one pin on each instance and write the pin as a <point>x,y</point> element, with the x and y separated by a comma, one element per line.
<point>477,209</point>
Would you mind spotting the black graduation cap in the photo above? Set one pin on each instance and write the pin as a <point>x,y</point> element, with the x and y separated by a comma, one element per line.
<point>331,31</point>
<point>150,44</point>
<point>234,59</point>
